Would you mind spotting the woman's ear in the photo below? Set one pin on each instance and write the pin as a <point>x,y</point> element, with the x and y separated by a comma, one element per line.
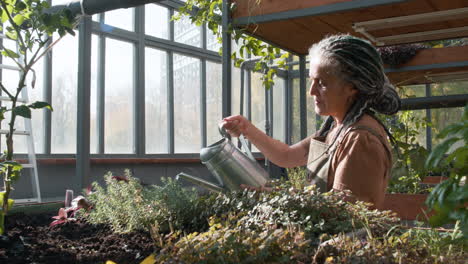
<point>351,90</point>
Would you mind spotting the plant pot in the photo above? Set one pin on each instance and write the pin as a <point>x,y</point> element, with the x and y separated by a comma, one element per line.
<point>407,206</point>
<point>433,179</point>
<point>37,208</point>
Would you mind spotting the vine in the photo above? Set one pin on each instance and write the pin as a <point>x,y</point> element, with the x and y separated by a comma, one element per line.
<point>209,12</point>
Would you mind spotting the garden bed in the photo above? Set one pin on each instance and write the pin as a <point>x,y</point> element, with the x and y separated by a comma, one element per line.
<point>30,239</point>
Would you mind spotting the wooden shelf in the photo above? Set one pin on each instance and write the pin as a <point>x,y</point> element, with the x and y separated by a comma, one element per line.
<point>295,25</point>
<point>428,62</point>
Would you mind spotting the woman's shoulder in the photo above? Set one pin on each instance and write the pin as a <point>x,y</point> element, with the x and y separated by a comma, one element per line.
<point>369,131</point>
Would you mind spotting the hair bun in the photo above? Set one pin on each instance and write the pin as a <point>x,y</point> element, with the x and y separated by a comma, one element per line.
<point>388,102</point>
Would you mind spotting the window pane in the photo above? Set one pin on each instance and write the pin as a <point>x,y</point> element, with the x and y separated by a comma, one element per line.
<point>258,104</point>
<point>9,44</point>
<point>186,32</point>
<point>187,104</point>
<point>60,2</point>
<point>278,109</point>
<point>412,91</point>
<point>213,101</point>
<point>122,18</point>
<point>235,90</point>
<point>37,94</point>
<point>94,133</point>
<point>449,88</point>
<point>118,125</point>
<point>212,41</point>
<point>157,21</point>
<point>296,113</point>
<point>314,121</point>
<point>156,101</point>
<point>441,118</point>
<point>64,94</point>
<point>413,122</point>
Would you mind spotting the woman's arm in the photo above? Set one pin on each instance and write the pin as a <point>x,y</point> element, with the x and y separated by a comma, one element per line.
<point>276,151</point>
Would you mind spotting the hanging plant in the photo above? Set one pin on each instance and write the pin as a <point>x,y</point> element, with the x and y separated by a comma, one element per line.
<point>399,54</point>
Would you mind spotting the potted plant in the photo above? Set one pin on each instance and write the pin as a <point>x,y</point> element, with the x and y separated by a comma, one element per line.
<point>406,191</point>
<point>26,23</point>
<point>449,199</point>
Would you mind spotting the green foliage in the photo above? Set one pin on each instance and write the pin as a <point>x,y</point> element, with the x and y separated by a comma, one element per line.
<point>409,156</point>
<point>9,203</point>
<point>26,23</point>
<point>128,206</point>
<point>208,12</point>
<point>408,184</point>
<point>282,226</point>
<point>223,244</point>
<point>399,245</point>
<point>298,177</point>
<point>449,198</point>
<point>40,105</point>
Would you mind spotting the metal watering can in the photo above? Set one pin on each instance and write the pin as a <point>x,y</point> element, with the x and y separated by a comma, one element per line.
<point>230,166</point>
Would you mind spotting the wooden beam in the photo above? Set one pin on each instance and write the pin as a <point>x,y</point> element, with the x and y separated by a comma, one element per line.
<point>246,8</point>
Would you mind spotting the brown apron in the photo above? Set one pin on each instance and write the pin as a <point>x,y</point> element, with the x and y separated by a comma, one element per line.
<point>321,155</point>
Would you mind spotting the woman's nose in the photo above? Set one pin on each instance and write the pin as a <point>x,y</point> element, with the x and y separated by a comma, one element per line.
<point>312,91</point>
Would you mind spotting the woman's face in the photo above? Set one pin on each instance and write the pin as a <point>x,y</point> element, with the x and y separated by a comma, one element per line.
<point>332,95</point>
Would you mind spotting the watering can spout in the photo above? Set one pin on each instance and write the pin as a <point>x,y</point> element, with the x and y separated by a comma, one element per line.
<point>208,185</point>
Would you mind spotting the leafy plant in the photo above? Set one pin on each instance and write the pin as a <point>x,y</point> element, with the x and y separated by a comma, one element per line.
<point>398,245</point>
<point>64,215</point>
<point>26,23</point>
<point>449,198</point>
<point>127,205</point>
<point>298,177</point>
<point>208,12</point>
<point>283,226</point>
<point>409,156</point>
<point>409,185</point>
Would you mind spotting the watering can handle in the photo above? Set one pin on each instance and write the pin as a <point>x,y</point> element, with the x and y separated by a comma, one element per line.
<point>223,133</point>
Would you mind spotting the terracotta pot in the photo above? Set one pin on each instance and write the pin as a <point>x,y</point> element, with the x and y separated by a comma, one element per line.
<point>407,206</point>
<point>433,179</point>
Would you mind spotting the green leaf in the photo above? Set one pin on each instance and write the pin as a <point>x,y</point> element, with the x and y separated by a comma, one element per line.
<point>23,111</point>
<point>439,151</point>
<point>20,6</point>
<point>10,53</point>
<point>459,156</point>
<point>452,129</point>
<point>4,16</point>
<point>13,164</point>
<point>18,19</point>
<point>39,105</point>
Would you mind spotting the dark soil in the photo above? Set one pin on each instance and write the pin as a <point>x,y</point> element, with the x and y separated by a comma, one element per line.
<point>30,239</point>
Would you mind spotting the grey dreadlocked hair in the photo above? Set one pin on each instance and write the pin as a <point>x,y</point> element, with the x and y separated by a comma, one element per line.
<point>358,63</point>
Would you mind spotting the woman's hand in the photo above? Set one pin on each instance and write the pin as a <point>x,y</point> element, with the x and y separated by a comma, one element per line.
<point>236,125</point>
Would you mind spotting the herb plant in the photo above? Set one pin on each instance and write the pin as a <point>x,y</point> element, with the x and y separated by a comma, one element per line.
<point>286,225</point>
<point>298,177</point>
<point>127,205</point>
<point>27,24</point>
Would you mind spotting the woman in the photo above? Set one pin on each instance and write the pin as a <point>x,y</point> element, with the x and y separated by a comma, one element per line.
<point>351,151</point>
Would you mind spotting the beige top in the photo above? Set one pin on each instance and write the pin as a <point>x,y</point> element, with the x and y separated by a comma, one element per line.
<point>362,162</point>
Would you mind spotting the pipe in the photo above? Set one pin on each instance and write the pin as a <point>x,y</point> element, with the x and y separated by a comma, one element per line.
<point>446,101</point>
<point>91,7</point>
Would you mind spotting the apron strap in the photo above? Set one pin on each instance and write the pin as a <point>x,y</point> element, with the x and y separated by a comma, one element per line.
<point>373,132</point>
